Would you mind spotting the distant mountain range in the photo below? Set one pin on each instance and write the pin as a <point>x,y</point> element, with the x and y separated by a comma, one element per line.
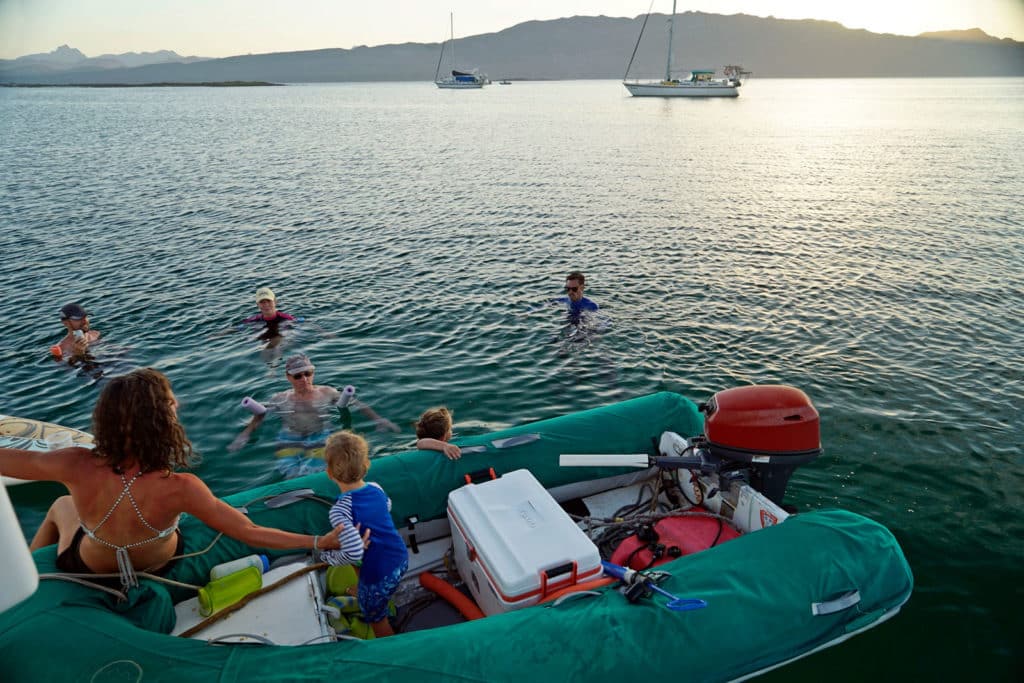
<point>66,58</point>
<point>571,48</point>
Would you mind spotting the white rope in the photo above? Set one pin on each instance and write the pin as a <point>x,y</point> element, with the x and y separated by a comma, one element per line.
<point>126,569</point>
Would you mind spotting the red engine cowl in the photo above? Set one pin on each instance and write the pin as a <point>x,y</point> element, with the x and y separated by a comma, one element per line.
<point>772,420</point>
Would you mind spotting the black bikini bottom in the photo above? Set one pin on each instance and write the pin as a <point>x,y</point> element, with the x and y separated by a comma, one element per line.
<point>70,560</point>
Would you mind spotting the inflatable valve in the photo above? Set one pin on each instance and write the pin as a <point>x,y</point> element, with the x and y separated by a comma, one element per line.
<point>347,394</point>
<point>253,406</point>
<point>632,579</point>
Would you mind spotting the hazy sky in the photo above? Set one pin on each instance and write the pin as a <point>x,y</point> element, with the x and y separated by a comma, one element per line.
<point>219,28</point>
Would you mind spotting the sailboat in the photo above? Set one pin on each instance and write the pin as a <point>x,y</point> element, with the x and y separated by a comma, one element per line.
<point>700,83</point>
<point>459,80</point>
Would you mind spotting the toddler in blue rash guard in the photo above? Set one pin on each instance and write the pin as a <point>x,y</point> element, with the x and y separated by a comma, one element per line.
<point>363,506</point>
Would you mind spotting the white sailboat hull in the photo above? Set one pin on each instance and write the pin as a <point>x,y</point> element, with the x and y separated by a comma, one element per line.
<point>459,80</point>
<point>452,85</point>
<point>684,89</point>
<point>700,83</point>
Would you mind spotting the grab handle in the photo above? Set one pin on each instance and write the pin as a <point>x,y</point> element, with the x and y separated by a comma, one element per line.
<point>838,605</point>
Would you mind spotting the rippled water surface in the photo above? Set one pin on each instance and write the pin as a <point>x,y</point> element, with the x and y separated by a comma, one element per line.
<point>859,239</point>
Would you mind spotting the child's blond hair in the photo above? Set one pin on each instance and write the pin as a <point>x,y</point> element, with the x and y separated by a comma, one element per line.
<point>347,456</point>
<point>434,424</point>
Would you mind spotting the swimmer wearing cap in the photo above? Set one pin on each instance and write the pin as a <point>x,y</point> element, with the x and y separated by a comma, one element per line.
<point>268,314</point>
<point>305,409</point>
<point>75,343</point>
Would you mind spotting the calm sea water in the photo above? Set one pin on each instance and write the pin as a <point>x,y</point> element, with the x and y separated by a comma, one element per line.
<point>859,239</point>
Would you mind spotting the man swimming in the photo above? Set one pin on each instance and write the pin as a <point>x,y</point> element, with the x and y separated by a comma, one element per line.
<point>75,344</point>
<point>575,301</point>
<point>306,411</point>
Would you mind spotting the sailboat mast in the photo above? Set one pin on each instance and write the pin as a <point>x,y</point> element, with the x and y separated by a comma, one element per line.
<point>451,23</point>
<point>671,25</point>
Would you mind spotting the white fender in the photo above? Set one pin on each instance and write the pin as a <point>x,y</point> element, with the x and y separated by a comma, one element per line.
<point>16,566</point>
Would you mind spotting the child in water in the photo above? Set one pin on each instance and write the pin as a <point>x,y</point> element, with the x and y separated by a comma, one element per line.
<point>363,506</point>
<point>434,430</point>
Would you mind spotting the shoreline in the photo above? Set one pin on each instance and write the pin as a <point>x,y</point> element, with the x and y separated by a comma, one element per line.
<point>171,84</point>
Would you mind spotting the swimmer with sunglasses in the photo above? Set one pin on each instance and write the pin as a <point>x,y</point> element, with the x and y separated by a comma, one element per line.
<point>305,410</point>
<point>574,300</point>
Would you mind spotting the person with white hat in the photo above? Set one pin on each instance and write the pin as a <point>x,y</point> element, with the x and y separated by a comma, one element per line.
<point>269,316</point>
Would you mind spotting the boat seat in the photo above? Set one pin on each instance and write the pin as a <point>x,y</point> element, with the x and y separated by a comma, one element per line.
<point>289,615</point>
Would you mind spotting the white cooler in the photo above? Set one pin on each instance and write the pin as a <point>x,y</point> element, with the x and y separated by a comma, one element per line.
<point>514,545</point>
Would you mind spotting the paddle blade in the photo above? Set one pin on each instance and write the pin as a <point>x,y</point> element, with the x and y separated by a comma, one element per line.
<point>603,460</point>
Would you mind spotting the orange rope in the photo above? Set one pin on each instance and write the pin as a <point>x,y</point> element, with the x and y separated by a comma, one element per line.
<point>585,586</point>
<point>447,591</point>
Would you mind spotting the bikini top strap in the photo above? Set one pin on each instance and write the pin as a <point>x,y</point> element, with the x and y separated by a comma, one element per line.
<point>127,491</point>
<point>138,512</point>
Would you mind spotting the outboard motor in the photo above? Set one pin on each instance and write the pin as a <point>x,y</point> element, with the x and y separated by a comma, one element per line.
<point>769,429</point>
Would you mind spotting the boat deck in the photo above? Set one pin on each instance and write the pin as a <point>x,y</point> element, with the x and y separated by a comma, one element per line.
<point>295,613</point>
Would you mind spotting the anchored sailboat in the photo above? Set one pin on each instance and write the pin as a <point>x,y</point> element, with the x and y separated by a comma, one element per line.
<point>700,83</point>
<point>459,80</point>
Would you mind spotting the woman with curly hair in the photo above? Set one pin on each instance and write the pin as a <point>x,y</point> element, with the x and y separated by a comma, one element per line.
<point>125,495</point>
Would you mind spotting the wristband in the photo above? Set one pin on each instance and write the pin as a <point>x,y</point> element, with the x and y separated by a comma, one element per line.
<point>315,537</point>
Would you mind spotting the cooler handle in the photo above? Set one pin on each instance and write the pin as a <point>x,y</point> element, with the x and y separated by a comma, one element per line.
<point>478,476</point>
<point>568,567</point>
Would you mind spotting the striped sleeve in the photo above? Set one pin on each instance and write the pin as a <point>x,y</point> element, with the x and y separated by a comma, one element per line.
<point>351,550</point>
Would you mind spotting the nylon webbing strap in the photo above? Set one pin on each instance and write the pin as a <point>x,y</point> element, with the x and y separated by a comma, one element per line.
<point>837,605</point>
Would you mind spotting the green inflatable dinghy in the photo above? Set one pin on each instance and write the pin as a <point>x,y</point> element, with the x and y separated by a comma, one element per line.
<point>786,586</point>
